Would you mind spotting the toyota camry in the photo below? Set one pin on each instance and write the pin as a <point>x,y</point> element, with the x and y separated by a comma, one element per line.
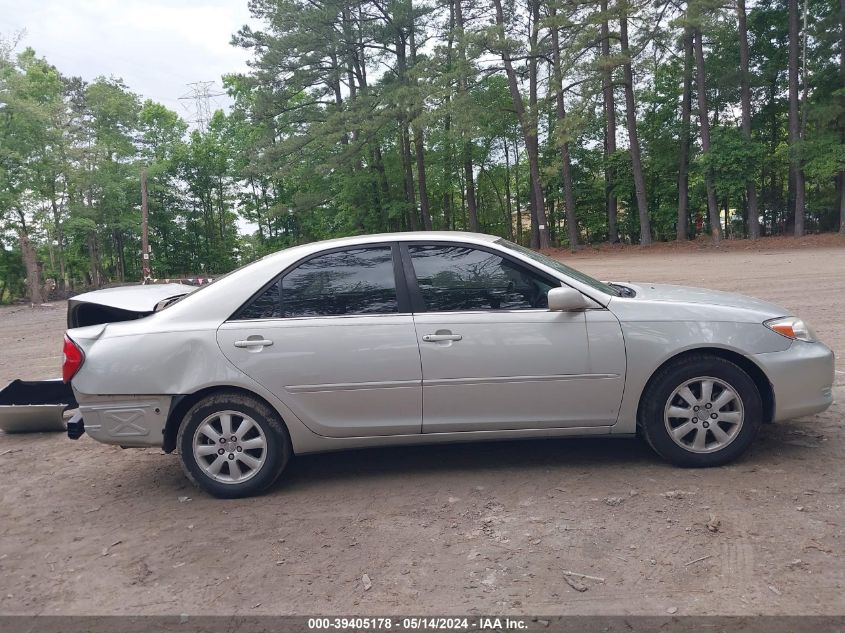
<point>433,337</point>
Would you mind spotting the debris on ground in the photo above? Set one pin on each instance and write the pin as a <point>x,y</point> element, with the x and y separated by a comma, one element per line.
<point>576,584</point>
<point>368,584</point>
<point>576,575</point>
<point>614,501</point>
<point>714,523</point>
<point>676,494</point>
<point>698,560</point>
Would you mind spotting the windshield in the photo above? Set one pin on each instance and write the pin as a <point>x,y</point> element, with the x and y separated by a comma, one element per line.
<point>561,268</point>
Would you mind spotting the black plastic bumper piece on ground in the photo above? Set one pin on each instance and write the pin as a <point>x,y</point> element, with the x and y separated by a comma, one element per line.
<point>37,392</point>
<point>75,426</point>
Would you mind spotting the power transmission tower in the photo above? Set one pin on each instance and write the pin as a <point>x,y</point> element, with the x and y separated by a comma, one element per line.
<point>201,93</point>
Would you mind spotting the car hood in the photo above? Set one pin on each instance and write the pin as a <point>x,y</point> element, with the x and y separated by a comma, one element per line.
<point>665,293</point>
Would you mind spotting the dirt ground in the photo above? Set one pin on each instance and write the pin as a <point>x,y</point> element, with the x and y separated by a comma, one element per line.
<point>91,529</point>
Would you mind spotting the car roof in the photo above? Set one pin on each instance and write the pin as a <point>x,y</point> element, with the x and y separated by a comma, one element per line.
<point>230,291</point>
<point>405,236</point>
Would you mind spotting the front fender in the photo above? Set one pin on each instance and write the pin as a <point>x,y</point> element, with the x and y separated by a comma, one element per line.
<point>649,344</point>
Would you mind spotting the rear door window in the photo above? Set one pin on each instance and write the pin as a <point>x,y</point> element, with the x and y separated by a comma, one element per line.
<point>356,281</point>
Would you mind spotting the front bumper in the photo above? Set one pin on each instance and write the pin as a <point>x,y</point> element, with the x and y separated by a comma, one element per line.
<point>801,378</point>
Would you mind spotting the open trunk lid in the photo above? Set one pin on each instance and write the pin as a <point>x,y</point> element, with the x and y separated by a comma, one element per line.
<point>123,303</point>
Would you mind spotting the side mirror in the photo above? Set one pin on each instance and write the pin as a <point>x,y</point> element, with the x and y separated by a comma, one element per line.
<point>566,300</point>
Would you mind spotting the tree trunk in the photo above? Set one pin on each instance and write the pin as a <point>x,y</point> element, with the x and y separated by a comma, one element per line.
<point>634,141</point>
<point>508,186</point>
<point>516,190</point>
<point>117,240</point>
<point>610,130</point>
<point>750,185</point>
<point>447,128</point>
<point>466,149</point>
<point>419,145</point>
<point>704,124</point>
<point>421,179</point>
<point>563,144</point>
<point>408,171</point>
<point>447,175</point>
<point>842,113</point>
<point>796,171</point>
<point>543,231</point>
<point>683,165</point>
<point>60,236</point>
<point>469,183</point>
<point>30,262</point>
<point>528,124</point>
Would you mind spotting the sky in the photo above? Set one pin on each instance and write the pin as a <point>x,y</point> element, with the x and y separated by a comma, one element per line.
<point>156,46</point>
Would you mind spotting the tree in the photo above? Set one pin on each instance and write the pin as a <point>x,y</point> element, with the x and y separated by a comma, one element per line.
<point>796,171</point>
<point>683,161</point>
<point>610,128</point>
<point>704,126</point>
<point>563,133</point>
<point>368,116</point>
<point>842,113</point>
<point>528,120</point>
<point>750,186</point>
<point>631,118</point>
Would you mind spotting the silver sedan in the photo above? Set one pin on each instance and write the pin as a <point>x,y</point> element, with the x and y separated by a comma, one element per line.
<point>436,337</point>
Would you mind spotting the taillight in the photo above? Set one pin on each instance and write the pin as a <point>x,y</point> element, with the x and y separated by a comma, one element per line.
<point>72,359</point>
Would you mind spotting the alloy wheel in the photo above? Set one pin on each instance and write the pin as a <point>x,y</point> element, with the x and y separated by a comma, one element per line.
<point>230,447</point>
<point>704,415</point>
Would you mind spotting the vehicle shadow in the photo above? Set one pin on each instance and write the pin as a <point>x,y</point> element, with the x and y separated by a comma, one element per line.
<point>569,454</point>
<point>781,446</point>
<point>777,446</point>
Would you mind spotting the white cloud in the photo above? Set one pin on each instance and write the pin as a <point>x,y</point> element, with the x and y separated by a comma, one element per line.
<point>155,46</point>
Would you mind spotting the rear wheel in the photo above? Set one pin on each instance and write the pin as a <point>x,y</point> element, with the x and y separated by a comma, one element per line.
<point>701,411</point>
<point>233,445</point>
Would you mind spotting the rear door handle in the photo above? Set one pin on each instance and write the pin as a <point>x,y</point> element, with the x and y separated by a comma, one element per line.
<point>435,338</point>
<point>254,342</point>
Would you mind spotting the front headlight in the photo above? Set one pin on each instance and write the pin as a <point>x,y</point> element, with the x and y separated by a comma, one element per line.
<point>792,327</point>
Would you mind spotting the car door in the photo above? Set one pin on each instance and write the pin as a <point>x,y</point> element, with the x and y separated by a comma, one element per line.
<point>494,357</point>
<point>334,339</point>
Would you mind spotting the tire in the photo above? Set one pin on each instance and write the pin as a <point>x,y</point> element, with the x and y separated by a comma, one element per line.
<point>248,459</point>
<point>708,435</point>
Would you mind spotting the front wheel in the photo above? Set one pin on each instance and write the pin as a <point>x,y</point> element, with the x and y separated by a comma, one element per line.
<point>233,445</point>
<point>701,411</point>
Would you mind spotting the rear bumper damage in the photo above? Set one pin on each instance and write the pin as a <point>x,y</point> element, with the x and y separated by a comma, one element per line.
<point>127,421</point>
<point>75,426</point>
<point>35,406</point>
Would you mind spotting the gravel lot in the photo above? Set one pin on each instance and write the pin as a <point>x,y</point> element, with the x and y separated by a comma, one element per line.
<point>92,529</point>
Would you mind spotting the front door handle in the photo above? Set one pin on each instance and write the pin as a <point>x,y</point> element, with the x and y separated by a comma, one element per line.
<point>254,342</point>
<point>436,338</point>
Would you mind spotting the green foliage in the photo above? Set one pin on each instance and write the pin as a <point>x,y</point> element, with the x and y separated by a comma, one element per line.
<point>322,136</point>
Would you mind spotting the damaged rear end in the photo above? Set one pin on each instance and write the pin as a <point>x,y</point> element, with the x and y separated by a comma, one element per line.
<point>32,406</point>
